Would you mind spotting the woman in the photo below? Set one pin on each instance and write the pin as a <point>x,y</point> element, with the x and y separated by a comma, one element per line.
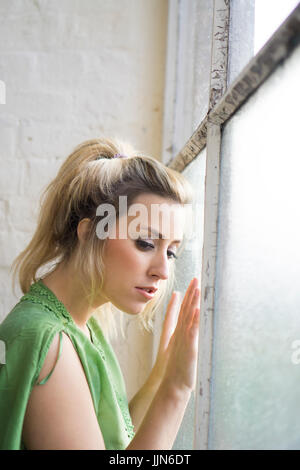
<point>61,386</point>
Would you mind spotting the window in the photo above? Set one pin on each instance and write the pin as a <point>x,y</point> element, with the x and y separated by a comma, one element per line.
<point>243,160</point>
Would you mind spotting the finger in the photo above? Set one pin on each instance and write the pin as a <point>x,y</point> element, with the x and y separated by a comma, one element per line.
<point>190,308</point>
<point>185,300</point>
<point>186,309</point>
<point>195,306</point>
<point>188,291</point>
<point>195,324</point>
<point>172,309</point>
<point>196,299</point>
<point>170,320</point>
<point>196,316</point>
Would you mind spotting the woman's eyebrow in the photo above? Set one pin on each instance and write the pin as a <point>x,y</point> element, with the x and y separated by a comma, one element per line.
<point>154,232</point>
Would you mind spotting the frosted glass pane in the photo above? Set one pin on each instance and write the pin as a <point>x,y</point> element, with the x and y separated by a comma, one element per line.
<point>269,14</point>
<point>256,374</point>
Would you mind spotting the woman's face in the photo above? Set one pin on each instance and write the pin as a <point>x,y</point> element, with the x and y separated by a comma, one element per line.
<point>141,260</point>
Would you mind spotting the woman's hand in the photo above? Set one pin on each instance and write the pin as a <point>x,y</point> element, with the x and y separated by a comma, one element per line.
<point>178,350</point>
<point>181,367</point>
<point>165,343</point>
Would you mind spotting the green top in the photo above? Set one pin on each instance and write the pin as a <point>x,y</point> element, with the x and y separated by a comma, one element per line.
<point>27,332</point>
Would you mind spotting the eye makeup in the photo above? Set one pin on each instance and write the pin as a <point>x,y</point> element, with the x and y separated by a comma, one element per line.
<point>145,246</point>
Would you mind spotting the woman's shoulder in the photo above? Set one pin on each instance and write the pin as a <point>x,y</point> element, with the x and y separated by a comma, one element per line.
<point>27,319</point>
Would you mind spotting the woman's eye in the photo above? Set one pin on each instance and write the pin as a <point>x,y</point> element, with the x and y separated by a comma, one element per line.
<point>145,245</point>
<point>171,254</point>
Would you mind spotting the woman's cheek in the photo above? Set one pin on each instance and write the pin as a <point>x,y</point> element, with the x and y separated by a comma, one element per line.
<point>139,258</point>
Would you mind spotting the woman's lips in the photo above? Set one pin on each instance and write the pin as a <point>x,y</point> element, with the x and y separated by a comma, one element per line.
<point>147,295</point>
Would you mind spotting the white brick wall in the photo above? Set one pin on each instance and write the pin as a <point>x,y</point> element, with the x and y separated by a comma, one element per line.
<point>74,70</point>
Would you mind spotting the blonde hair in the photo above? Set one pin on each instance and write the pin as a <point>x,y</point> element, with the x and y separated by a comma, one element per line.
<point>88,177</point>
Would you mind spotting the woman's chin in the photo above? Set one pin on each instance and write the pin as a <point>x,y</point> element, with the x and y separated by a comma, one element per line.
<point>134,309</point>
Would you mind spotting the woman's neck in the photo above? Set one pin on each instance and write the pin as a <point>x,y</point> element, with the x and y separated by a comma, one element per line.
<point>67,288</point>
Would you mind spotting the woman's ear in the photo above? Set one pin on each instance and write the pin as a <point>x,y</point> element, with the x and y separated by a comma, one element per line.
<point>83,229</point>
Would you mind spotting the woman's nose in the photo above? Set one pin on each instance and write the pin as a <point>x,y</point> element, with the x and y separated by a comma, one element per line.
<point>160,267</point>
